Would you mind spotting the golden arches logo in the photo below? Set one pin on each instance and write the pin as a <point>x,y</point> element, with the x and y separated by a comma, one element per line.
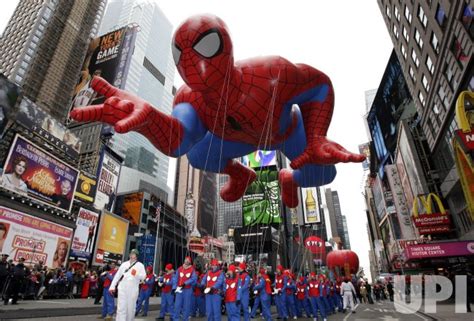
<point>427,202</point>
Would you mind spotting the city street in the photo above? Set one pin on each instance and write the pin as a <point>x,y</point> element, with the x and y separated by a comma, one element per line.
<point>73,310</point>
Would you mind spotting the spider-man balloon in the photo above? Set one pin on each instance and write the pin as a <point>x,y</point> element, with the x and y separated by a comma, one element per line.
<point>229,109</point>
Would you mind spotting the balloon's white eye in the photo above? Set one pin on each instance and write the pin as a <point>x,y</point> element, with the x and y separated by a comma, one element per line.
<point>209,45</point>
<point>176,53</point>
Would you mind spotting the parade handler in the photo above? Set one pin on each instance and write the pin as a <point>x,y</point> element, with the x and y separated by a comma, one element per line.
<point>127,281</point>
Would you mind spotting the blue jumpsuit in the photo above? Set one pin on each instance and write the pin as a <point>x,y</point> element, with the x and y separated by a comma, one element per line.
<point>144,295</point>
<point>265,298</point>
<point>232,284</point>
<point>183,301</point>
<point>215,281</point>
<point>280,283</point>
<point>167,299</point>
<point>108,305</point>
<point>244,295</point>
<point>290,297</point>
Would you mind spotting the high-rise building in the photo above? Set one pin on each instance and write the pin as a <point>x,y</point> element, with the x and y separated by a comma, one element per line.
<point>229,215</point>
<point>337,220</point>
<point>434,43</point>
<point>43,47</point>
<point>150,76</point>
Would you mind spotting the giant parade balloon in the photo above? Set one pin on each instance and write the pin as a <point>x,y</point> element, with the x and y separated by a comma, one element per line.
<point>227,109</point>
<point>345,261</point>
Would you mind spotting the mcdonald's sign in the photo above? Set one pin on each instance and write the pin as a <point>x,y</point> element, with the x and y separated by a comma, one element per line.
<point>463,145</point>
<point>430,221</point>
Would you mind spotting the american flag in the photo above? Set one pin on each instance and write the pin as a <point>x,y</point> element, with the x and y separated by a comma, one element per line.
<point>157,213</point>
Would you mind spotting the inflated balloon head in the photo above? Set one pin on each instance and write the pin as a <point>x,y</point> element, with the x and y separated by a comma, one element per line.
<point>202,51</point>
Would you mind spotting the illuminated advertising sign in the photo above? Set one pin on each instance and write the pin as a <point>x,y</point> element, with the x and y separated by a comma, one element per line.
<point>34,239</point>
<point>261,202</point>
<point>364,149</point>
<point>132,207</point>
<point>86,188</point>
<point>112,239</point>
<point>32,172</point>
<point>84,235</point>
<point>44,125</point>
<point>260,158</point>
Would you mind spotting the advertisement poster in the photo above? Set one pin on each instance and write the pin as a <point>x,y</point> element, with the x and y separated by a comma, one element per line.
<point>261,202</point>
<point>108,177</point>
<point>109,57</point>
<point>112,239</point>
<point>42,124</point>
<point>132,207</point>
<point>86,188</point>
<point>311,210</point>
<point>260,158</point>
<point>33,239</point>
<point>84,236</point>
<point>364,149</point>
<point>32,172</point>
<point>147,249</point>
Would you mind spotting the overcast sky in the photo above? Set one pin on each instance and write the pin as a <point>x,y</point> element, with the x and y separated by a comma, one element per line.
<point>346,39</point>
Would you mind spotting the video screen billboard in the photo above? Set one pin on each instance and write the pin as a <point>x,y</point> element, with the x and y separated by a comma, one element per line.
<point>33,239</point>
<point>112,239</point>
<point>108,176</point>
<point>32,172</point>
<point>260,158</point>
<point>84,236</point>
<point>132,207</point>
<point>42,124</point>
<point>261,202</point>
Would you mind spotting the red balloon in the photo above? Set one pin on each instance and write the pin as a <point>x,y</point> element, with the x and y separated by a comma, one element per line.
<point>315,245</point>
<point>343,259</point>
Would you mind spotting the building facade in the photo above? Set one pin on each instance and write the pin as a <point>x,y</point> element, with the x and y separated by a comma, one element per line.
<point>150,76</point>
<point>338,222</point>
<point>433,41</point>
<point>229,214</point>
<point>43,47</point>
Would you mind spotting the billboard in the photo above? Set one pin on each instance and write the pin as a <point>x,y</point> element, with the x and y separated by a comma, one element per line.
<point>132,207</point>
<point>32,172</point>
<point>147,250</point>
<point>86,188</point>
<point>392,100</point>
<point>9,93</point>
<point>109,57</point>
<point>311,210</point>
<point>260,158</point>
<point>108,176</point>
<point>33,239</point>
<point>111,240</point>
<point>44,125</point>
<point>261,202</point>
<point>84,235</point>
<point>401,205</point>
<point>364,149</point>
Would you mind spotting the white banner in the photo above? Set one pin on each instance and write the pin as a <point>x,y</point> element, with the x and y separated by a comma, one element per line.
<point>403,210</point>
<point>107,182</point>
<point>34,239</point>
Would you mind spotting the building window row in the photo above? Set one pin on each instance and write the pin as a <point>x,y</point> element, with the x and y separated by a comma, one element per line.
<point>434,42</point>
<point>430,64</point>
<point>418,39</point>
<point>422,16</point>
<point>397,13</point>
<point>405,34</point>
<point>458,52</point>
<point>395,31</point>
<point>466,19</point>
<point>404,51</point>
<point>426,83</point>
<point>407,14</point>
<point>414,57</point>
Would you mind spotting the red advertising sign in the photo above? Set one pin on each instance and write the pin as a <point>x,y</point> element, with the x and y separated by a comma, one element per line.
<point>464,248</point>
<point>467,139</point>
<point>425,220</point>
<point>433,229</point>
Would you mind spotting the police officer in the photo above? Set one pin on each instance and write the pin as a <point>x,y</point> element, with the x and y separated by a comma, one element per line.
<point>213,281</point>
<point>183,281</point>
<point>19,274</point>
<point>167,299</point>
<point>4,273</point>
<point>146,289</point>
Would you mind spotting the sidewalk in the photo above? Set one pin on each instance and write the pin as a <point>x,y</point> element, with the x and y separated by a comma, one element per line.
<point>446,311</point>
<point>57,308</point>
